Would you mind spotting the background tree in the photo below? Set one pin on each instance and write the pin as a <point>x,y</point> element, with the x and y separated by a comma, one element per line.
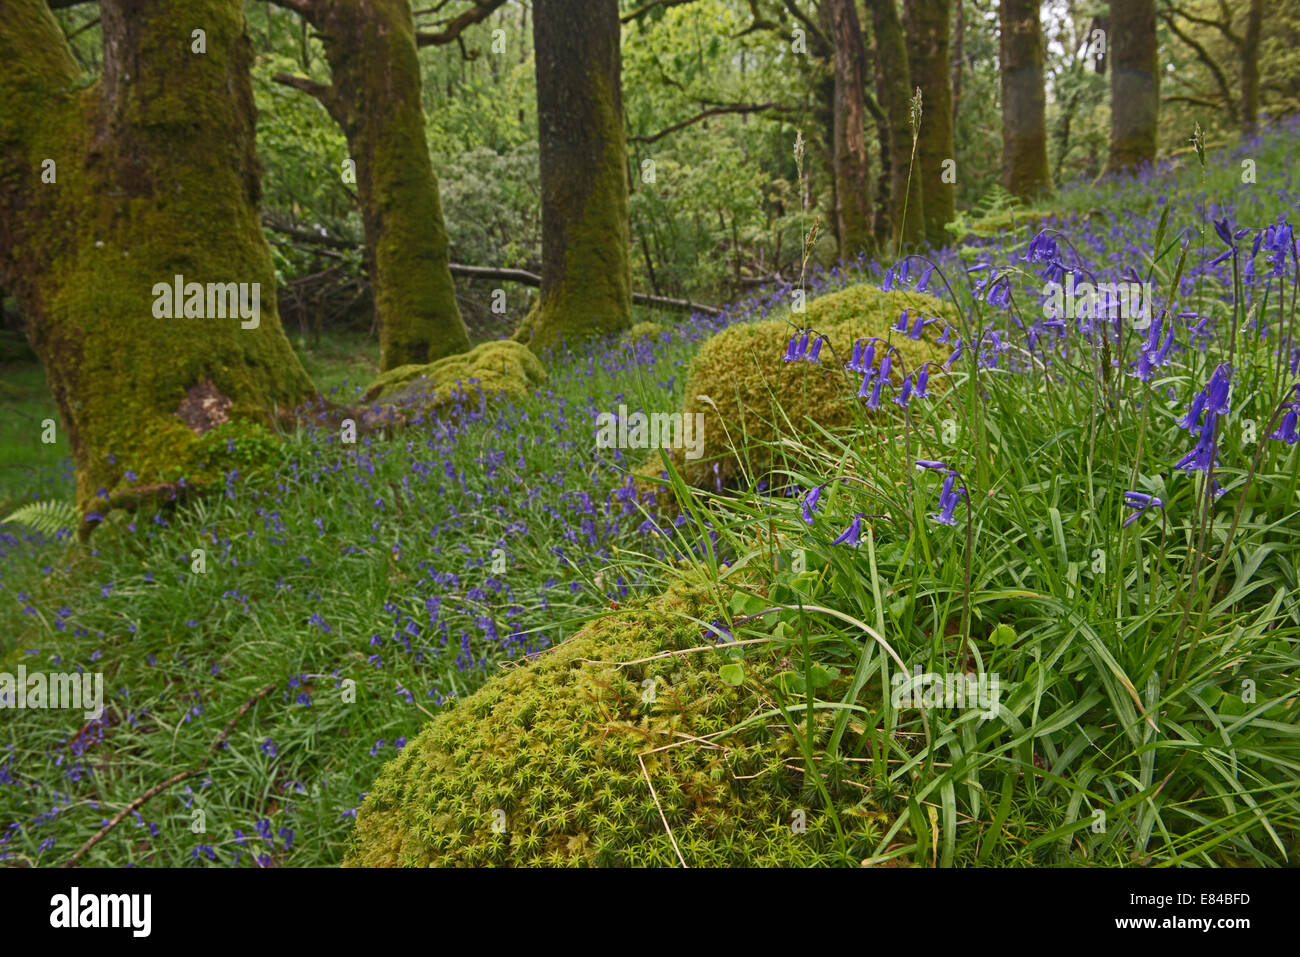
<point>374,96</point>
<point>586,271</point>
<point>926,23</point>
<point>849,150</point>
<point>1024,101</point>
<point>1134,67</point>
<point>153,175</point>
<point>1182,20</point>
<point>894,91</point>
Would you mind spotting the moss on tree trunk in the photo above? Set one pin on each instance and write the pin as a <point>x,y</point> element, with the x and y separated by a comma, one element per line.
<point>586,268</point>
<point>155,176</point>
<point>926,22</point>
<point>849,150</point>
<point>894,91</point>
<point>1024,124</point>
<point>1134,84</point>
<point>374,96</point>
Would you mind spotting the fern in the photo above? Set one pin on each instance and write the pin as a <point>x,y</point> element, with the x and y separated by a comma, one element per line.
<point>48,518</point>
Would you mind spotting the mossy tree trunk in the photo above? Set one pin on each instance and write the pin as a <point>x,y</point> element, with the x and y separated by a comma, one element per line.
<point>374,96</point>
<point>155,176</point>
<point>586,266</point>
<point>1024,101</point>
<point>894,91</point>
<point>1250,68</point>
<point>852,169</point>
<point>926,23</point>
<point>1134,84</point>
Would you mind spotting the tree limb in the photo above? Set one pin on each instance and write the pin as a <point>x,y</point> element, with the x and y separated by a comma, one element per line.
<point>320,91</point>
<point>713,111</point>
<point>1203,55</point>
<point>650,5</point>
<point>480,11</point>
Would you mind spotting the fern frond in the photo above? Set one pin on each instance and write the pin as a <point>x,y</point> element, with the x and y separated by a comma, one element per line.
<point>48,518</point>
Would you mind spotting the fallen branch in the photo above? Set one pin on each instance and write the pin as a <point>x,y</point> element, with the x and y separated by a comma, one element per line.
<point>522,276</point>
<point>174,779</point>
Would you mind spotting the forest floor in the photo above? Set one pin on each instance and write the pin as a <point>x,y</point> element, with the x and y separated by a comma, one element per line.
<point>345,595</point>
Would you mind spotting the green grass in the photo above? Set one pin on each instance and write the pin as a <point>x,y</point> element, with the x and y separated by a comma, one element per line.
<point>312,578</point>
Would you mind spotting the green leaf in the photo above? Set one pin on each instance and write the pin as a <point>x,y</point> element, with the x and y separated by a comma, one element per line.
<point>733,674</point>
<point>1002,635</point>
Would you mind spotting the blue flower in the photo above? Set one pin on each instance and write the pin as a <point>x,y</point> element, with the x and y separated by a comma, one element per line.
<point>851,534</point>
<point>1140,502</point>
<point>810,503</point>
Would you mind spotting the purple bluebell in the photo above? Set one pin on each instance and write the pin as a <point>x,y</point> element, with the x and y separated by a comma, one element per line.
<point>851,534</point>
<point>1140,503</point>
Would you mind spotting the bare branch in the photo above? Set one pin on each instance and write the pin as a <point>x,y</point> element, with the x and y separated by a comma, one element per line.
<point>480,11</point>
<point>713,111</point>
<point>651,5</point>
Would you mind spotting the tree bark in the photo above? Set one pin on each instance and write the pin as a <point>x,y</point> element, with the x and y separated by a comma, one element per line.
<point>851,164</point>
<point>926,23</point>
<point>1134,85</point>
<point>586,243</point>
<point>1024,101</point>
<point>155,177</point>
<point>1250,68</point>
<point>894,91</point>
<point>374,96</point>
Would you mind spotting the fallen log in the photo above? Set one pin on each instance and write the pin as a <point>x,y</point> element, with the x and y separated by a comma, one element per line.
<point>522,276</point>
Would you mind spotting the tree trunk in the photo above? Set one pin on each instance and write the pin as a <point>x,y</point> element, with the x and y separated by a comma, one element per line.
<point>1024,123</point>
<point>1250,68</point>
<point>374,96</point>
<point>894,91</point>
<point>586,268</point>
<point>1134,84</point>
<point>155,177</point>
<point>926,22</point>
<point>852,169</point>
<point>958,40</point>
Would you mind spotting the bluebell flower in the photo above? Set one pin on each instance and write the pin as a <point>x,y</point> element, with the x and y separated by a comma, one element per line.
<point>851,534</point>
<point>1140,503</point>
<point>810,503</point>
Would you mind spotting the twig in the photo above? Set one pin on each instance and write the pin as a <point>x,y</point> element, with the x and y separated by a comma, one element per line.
<point>174,779</point>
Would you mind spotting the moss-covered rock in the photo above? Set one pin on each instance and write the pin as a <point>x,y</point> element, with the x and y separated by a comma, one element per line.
<point>544,764</point>
<point>754,398</point>
<point>501,369</point>
<point>641,330</point>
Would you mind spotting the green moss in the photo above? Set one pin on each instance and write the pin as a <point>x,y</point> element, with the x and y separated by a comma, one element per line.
<point>556,746</point>
<point>373,60</point>
<point>170,188</point>
<point>502,369</point>
<point>752,392</point>
<point>642,330</point>
<point>587,287</point>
